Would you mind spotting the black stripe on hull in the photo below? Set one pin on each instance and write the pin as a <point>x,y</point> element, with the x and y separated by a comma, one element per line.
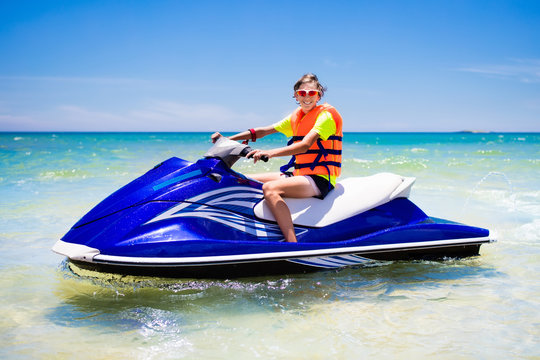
<point>271,267</point>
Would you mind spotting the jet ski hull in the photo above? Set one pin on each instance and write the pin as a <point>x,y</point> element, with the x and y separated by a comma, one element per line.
<point>265,265</point>
<point>428,240</point>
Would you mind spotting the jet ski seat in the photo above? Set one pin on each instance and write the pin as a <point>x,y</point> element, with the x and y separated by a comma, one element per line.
<point>351,196</point>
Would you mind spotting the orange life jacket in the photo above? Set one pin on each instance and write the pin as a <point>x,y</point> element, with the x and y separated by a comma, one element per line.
<point>324,156</point>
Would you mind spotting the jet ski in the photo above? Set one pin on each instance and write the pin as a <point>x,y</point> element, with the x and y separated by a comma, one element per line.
<point>205,220</point>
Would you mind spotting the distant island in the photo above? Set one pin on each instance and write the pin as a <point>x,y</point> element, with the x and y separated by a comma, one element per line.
<point>474,132</point>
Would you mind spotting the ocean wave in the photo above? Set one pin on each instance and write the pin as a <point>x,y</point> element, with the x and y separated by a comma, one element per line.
<point>404,162</point>
<point>490,152</point>
<point>362,161</point>
<point>61,174</point>
<point>527,234</point>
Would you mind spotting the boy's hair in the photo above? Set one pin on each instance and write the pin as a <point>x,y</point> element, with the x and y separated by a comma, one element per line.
<point>310,78</point>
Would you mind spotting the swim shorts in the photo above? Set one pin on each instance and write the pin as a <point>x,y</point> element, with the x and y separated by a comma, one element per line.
<point>321,186</point>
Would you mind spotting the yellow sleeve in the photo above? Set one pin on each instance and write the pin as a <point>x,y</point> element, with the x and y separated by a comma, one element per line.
<point>325,125</point>
<point>284,126</point>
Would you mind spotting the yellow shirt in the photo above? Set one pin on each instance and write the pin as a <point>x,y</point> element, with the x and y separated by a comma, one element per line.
<point>325,126</point>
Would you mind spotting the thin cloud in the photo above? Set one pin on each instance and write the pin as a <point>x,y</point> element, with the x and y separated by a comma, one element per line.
<point>75,79</point>
<point>10,122</point>
<point>523,70</point>
<point>332,63</point>
<point>64,118</point>
<point>79,117</point>
<point>192,117</point>
<point>157,116</point>
<point>193,112</point>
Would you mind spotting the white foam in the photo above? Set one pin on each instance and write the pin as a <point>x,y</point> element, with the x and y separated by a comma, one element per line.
<point>362,161</point>
<point>528,233</point>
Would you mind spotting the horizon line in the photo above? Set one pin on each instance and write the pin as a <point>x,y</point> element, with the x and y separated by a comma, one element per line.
<point>479,132</point>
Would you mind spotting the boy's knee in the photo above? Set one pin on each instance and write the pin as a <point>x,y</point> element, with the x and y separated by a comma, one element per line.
<point>266,188</point>
<point>269,189</point>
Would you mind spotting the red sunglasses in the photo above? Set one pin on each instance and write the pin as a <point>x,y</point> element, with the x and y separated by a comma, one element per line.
<point>303,93</point>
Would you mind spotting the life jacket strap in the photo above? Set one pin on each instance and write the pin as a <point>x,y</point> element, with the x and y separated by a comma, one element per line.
<point>321,151</point>
<point>300,138</point>
<point>321,163</point>
<point>289,165</point>
<point>328,152</point>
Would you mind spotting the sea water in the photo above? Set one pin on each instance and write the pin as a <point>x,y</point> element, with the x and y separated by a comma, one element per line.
<point>483,307</point>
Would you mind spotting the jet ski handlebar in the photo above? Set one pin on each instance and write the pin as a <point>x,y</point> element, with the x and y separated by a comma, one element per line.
<point>229,151</point>
<point>263,158</point>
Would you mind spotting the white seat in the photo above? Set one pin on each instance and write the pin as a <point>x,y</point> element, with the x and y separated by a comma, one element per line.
<point>351,196</point>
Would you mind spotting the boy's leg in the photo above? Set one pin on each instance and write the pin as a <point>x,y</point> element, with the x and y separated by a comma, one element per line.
<point>292,187</point>
<point>265,177</point>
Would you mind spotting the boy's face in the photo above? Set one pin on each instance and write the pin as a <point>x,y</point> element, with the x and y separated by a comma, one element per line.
<point>307,102</point>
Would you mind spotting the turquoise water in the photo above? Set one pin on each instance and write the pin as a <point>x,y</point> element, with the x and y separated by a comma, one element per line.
<point>484,307</point>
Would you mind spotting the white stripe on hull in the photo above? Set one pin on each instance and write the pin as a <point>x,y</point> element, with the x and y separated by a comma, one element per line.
<point>300,255</point>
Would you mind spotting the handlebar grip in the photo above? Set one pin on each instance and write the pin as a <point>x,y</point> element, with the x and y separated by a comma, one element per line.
<point>263,158</point>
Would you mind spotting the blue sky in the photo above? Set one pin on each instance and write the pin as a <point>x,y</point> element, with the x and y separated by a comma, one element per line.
<point>229,65</point>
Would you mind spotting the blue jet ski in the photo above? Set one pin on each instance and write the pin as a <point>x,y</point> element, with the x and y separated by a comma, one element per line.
<point>204,220</point>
